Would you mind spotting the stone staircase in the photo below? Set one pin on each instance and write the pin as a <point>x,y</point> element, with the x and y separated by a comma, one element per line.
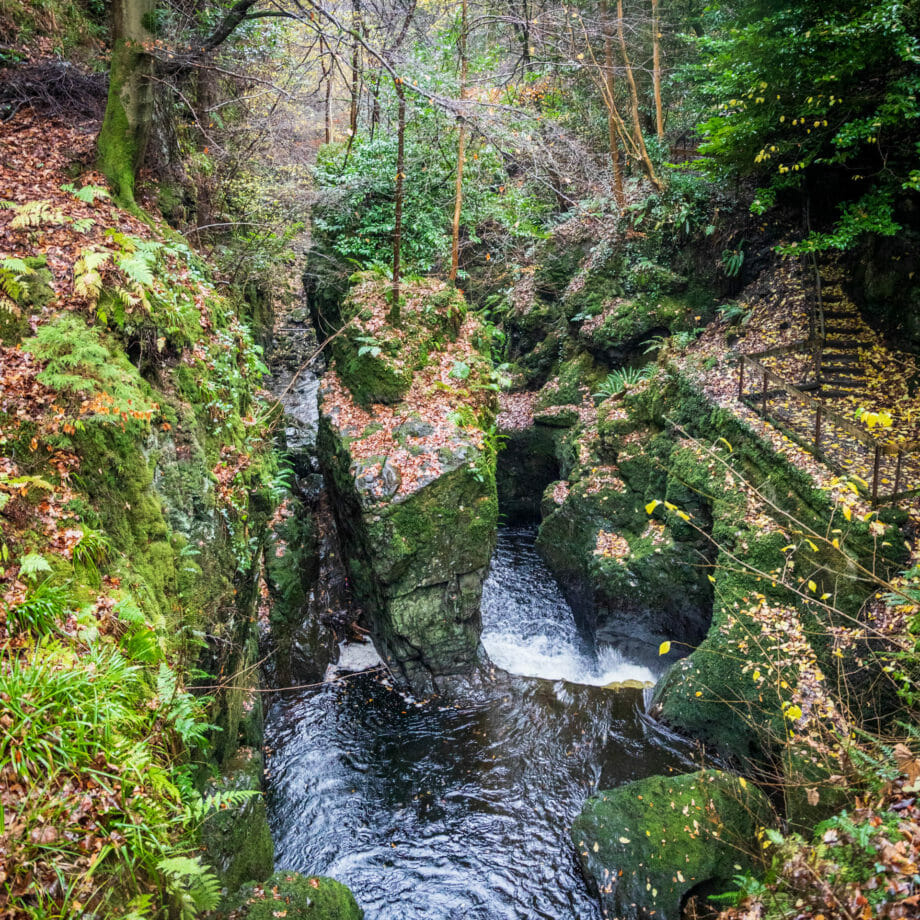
<point>840,371</point>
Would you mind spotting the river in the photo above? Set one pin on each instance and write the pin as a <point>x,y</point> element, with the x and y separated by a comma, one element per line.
<point>441,809</point>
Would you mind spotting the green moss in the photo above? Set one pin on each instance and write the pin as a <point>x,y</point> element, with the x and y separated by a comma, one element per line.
<point>298,897</point>
<point>237,839</point>
<point>556,266</point>
<point>417,563</point>
<point>629,321</point>
<point>378,367</point>
<point>576,381</point>
<point>122,136</point>
<point>646,845</point>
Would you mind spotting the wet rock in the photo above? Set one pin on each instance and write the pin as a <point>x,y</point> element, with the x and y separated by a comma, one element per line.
<point>647,846</point>
<point>376,481</point>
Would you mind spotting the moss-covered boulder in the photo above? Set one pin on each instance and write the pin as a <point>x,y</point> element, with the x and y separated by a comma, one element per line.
<point>646,846</point>
<point>295,897</point>
<point>413,487</point>
<point>237,839</point>
<point>376,360</point>
<point>636,578</point>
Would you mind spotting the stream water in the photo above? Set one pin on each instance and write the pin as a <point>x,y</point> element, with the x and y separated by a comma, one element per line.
<point>459,808</point>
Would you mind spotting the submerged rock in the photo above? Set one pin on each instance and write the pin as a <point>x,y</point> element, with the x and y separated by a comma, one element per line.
<point>647,846</point>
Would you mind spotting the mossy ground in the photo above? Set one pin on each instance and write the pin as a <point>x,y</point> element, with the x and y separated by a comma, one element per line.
<point>296,897</point>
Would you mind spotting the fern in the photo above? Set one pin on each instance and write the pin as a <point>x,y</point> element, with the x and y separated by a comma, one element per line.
<point>87,274</point>
<point>15,265</point>
<point>620,380</point>
<point>138,266</point>
<point>32,564</point>
<point>79,364</point>
<point>88,194</point>
<point>194,887</point>
<point>11,273</point>
<point>34,214</point>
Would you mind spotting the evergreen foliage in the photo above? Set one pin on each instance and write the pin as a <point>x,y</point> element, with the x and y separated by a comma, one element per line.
<point>803,94</point>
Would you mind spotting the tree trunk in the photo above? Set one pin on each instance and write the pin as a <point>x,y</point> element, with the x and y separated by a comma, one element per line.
<point>656,70</point>
<point>612,126</point>
<point>394,316</point>
<point>644,157</point>
<point>129,109</point>
<point>461,152</point>
<point>357,22</point>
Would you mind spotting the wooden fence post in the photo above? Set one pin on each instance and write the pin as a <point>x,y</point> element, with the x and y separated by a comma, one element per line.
<point>878,455</point>
<point>897,473</point>
<point>818,414</point>
<point>741,380</point>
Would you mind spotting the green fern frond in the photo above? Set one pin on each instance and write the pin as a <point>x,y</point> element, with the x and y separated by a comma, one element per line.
<point>15,265</point>
<point>36,214</point>
<point>87,194</point>
<point>194,886</point>
<point>138,267</point>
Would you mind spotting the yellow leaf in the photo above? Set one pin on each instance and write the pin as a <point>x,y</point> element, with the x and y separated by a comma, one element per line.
<point>683,515</point>
<point>794,712</point>
<point>670,506</point>
<point>847,513</point>
<point>814,548</point>
<point>664,648</point>
<point>652,505</point>
<point>743,782</point>
<point>835,543</point>
<point>712,578</point>
<point>812,586</point>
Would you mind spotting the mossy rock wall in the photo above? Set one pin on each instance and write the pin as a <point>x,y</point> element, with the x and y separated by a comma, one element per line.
<point>237,839</point>
<point>527,464</point>
<point>646,846</point>
<point>653,541</point>
<point>417,562</point>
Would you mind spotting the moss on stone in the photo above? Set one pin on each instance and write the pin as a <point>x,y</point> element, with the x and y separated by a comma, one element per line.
<point>645,846</point>
<point>298,897</point>
<point>577,379</point>
<point>237,839</point>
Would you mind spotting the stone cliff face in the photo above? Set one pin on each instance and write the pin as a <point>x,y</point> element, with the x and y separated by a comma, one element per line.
<point>413,480</point>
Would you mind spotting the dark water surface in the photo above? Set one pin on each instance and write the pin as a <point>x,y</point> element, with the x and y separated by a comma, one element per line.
<point>459,808</point>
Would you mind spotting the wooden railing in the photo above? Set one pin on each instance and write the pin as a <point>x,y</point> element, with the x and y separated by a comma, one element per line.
<point>887,464</point>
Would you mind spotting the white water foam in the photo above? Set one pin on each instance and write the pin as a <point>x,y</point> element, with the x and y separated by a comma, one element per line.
<point>529,629</point>
<point>550,658</point>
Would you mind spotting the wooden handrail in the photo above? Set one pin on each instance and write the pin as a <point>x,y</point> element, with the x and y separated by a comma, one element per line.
<point>824,417</point>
